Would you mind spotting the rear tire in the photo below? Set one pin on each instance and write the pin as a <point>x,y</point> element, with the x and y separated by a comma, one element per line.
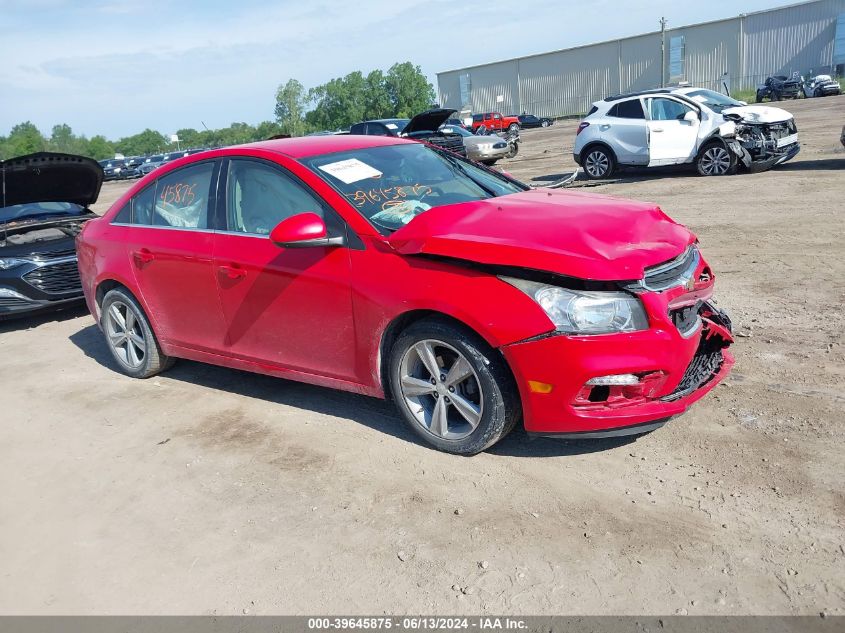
<point>129,337</point>
<point>453,390</point>
<point>544,124</point>
<point>598,163</point>
<point>513,127</point>
<point>775,96</point>
<point>715,159</point>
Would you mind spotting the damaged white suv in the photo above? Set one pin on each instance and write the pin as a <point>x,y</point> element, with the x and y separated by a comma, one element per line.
<point>683,125</point>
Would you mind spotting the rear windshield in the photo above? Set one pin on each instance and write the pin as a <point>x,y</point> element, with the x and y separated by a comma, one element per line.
<point>42,210</point>
<point>391,185</point>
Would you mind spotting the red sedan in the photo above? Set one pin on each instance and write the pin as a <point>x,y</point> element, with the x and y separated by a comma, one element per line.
<point>389,267</point>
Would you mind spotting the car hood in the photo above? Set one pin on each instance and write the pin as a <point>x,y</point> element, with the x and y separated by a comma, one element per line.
<point>759,114</point>
<point>51,177</point>
<point>429,121</point>
<point>565,232</point>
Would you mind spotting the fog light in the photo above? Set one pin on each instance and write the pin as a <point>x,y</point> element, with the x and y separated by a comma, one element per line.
<point>614,379</point>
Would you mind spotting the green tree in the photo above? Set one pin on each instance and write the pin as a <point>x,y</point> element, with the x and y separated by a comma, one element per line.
<point>377,102</point>
<point>189,137</point>
<point>269,129</point>
<point>62,139</point>
<point>24,139</point>
<point>99,148</point>
<point>410,91</point>
<point>338,103</point>
<point>146,142</point>
<point>291,102</point>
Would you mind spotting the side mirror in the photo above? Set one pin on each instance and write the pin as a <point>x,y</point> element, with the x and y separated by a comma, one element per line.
<point>303,230</point>
<point>691,115</point>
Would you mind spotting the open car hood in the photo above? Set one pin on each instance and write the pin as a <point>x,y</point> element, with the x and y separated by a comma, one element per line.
<point>759,114</point>
<point>570,233</point>
<point>50,177</point>
<point>429,121</point>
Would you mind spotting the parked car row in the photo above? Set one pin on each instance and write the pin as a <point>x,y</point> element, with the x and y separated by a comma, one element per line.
<point>137,166</point>
<point>779,87</point>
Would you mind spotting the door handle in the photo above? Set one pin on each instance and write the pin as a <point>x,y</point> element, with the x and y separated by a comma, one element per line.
<point>233,271</point>
<point>143,257</point>
<point>657,129</point>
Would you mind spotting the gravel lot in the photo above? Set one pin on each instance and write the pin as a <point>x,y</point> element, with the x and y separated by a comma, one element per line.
<point>208,490</point>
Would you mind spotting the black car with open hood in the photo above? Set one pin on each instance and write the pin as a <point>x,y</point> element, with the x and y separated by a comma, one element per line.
<point>423,127</point>
<point>44,201</point>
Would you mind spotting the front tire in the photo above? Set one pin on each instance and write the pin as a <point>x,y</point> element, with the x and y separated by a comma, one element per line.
<point>453,390</point>
<point>715,160</point>
<point>598,163</point>
<point>544,124</point>
<point>129,337</point>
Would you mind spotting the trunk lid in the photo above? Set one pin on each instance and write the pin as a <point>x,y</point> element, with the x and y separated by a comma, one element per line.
<point>575,234</point>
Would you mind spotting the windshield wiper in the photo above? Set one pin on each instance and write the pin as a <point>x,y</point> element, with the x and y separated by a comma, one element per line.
<point>457,163</point>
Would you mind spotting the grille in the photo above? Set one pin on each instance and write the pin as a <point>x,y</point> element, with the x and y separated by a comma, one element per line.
<point>55,278</point>
<point>10,303</point>
<point>704,365</point>
<point>675,272</point>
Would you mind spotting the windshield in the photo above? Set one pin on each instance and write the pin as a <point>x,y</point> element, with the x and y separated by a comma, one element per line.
<point>31,210</point>
<point>713,100</point>
<point>391,185</point>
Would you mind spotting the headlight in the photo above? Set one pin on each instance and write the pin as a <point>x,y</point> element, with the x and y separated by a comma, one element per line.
<point>10,262</point>
<point>584,312</point>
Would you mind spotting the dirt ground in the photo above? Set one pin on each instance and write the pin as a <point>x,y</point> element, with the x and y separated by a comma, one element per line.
<point>212,491</point>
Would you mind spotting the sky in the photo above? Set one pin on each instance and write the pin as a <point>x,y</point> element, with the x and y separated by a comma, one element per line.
<point>116,67</point>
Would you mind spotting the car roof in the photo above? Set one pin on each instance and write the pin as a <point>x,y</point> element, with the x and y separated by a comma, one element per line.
<point>626,95</point>
<point>307,146</point>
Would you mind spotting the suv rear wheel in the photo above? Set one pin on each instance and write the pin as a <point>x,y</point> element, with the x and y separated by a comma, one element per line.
<point>598,163</point>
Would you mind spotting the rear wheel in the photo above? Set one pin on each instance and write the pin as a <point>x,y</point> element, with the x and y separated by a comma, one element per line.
<point>598,163</point>
<point>129,337</point>
<point>775,96</point>
<point>715,160</point>
<point>453,390</point>
<point>544,124</point>
<point>513,127</point>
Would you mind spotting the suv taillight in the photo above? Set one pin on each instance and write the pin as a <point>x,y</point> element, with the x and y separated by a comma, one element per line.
<point>584,125</point>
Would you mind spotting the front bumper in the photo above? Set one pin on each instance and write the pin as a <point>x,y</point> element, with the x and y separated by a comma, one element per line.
<point>40,285</point>
<point>487,154</point>
<point>675,369</point>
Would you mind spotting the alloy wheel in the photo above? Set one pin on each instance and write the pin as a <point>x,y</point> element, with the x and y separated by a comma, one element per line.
<point>597,164</point>
<point>716,161</point>
<point>441,389</point>
<point>125,335</point>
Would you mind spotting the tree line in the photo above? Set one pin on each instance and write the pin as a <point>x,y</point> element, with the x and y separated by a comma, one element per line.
<point>401,92</point>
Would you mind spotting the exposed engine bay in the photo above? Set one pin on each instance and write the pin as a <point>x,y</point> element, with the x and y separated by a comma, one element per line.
<point>28,235</point>
<point>761,145</point>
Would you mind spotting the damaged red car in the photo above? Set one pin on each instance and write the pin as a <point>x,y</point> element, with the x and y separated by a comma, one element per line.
<point>395,269</point>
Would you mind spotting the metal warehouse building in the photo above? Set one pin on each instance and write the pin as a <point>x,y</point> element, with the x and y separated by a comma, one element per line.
<point>740,52</point>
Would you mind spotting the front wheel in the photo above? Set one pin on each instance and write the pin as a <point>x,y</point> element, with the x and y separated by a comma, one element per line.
<point>759,97</point>
<point>598,163</point>
<point>544,124</point>
<point>453,390</point>
<point>129,337</point>
<point>715,160</point>
<point>513,150</point>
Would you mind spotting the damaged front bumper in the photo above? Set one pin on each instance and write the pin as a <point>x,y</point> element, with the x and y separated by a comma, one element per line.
<point>630,383</point>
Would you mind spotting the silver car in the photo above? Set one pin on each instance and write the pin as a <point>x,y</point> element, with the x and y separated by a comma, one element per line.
<point>484,149</point>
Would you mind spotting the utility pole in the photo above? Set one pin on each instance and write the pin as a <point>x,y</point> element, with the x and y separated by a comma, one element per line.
<point>662,52</point>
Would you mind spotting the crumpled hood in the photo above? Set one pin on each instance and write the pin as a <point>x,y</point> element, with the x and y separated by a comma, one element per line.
<point>759,114</point>
<point>51,177</point>
<point>566,232</point>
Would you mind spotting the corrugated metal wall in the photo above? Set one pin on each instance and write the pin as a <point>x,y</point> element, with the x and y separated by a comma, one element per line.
<point>748,48</point>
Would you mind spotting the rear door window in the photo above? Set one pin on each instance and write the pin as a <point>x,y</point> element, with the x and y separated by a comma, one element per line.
<point>182,197</point>
<point>632,109</point>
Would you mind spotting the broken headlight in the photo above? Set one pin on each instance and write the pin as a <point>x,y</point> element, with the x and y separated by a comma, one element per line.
<point>585,312</point>
<point>7,263</point>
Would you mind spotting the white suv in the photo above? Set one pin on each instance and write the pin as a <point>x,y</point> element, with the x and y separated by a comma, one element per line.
<point>683,125</point>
